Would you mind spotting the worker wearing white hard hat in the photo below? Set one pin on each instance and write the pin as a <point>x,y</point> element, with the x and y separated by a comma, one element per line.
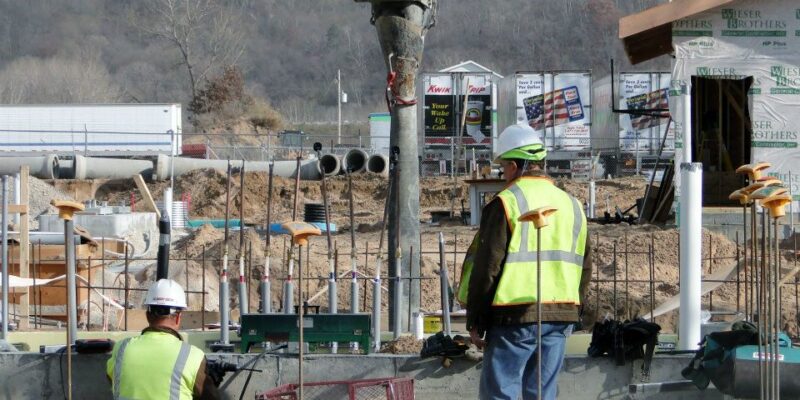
<point>501,290</point>
<point>158,364</point>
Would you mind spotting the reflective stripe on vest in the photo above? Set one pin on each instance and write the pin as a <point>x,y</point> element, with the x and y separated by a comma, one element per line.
<point>563,244</point>
<point>118,366</point>
<point>158,350</point>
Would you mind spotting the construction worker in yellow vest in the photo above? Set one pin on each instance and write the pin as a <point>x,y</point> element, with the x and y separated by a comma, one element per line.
<point>158,364</point>
<point>501,287</point>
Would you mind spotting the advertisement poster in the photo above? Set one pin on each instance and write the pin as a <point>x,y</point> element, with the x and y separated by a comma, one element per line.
<point>557,106</point>
<point>439,116</point>
<point>644,133</point>
<point>442,108</point>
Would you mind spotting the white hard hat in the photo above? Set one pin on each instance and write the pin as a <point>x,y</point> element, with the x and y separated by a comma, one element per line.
<point>515,137</point>
<point>166,293</point>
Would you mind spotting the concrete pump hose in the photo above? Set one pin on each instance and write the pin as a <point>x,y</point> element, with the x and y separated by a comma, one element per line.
<point>355,161</point>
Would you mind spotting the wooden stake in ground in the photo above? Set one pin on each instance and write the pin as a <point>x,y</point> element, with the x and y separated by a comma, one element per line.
<point>146,196</point>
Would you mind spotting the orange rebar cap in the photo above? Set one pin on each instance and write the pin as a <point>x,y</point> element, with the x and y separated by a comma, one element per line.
<point>777,204</point>
<point>754,170</point>
<point>539,216</point>
<point>741,196</point>
<point>66,208</point>
<point>300,231</point>
<point>767,192</point>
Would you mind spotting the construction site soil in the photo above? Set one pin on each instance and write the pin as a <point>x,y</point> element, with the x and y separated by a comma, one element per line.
<point>629,265</point>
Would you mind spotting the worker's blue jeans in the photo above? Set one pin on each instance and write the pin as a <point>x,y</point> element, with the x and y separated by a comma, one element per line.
<point>509,362</point>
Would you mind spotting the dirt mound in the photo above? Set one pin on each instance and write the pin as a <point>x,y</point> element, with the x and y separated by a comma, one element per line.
<point>403,345</point>
<point>632,264</point>
<point>619,192</point>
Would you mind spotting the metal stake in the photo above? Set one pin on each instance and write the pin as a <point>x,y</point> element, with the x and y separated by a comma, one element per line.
<point>445,285</point>
<point>5,259</point>
<point>243,300</point>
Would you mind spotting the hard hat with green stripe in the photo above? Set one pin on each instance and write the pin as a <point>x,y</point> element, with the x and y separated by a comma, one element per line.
<point>519,142</point>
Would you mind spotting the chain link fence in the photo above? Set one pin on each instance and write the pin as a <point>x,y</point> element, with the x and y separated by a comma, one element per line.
<point>279,146</point>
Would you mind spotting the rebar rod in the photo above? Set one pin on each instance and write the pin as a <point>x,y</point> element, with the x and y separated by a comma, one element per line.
<point>445,295</point>
<point>398,295</point>
<point>243,300</point>
<point>6,270</point>
<point>203,294</point>
<point>776,319</point>
<point>614,293</point>
<point>627,292</point>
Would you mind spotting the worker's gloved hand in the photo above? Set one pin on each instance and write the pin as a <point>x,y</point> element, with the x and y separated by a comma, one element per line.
<point>216,370</point>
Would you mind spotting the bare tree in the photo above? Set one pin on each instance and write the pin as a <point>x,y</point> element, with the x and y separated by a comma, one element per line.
<point>57,80</point>
<point>205,34</point>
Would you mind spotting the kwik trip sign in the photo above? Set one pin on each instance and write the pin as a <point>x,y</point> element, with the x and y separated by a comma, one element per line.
<point>441,103</point>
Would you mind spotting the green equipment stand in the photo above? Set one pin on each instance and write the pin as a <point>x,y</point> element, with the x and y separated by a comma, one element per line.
<point>317,328</point>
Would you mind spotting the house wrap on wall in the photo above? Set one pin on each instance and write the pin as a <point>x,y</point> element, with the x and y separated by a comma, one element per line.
<point>739,61</point>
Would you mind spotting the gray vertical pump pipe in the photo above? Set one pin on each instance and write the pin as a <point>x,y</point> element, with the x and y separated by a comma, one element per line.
<point>5,258</point>
<point>401,28</point>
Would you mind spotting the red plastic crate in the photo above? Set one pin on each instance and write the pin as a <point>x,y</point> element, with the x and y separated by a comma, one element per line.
<point>367,389</point>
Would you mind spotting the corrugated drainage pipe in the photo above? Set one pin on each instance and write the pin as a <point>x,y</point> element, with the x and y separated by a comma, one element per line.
<point>329,164</point>
<point>286,169</point>
<point>110,168</point>
<point>43,167</point>
<point>378,164</point>
<point>355,161</point>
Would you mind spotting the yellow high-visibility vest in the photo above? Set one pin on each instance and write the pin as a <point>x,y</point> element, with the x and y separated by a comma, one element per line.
<point>563,243</point>
<point>466,271</point>
<point>154,365</point>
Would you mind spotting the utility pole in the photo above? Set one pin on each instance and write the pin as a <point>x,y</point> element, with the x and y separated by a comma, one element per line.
<point>401,26</point>
<point>339,105</point>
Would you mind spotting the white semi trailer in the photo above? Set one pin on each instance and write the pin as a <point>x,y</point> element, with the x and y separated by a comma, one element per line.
<point>90,129</point>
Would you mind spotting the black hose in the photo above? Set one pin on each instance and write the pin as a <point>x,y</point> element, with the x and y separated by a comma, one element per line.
<point>250,372</point>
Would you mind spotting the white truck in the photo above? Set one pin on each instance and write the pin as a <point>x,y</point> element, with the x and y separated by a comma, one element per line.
<point>90,129</point>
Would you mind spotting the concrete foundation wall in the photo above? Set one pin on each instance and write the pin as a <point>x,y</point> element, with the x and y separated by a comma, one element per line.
<point>139,228</point>
<point>33,375</point>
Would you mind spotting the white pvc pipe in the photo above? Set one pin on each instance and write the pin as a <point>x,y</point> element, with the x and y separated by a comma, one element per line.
<point>691,250</point>
<point>168,204</point>
<point>687,122</point>
<point>592,190</point>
